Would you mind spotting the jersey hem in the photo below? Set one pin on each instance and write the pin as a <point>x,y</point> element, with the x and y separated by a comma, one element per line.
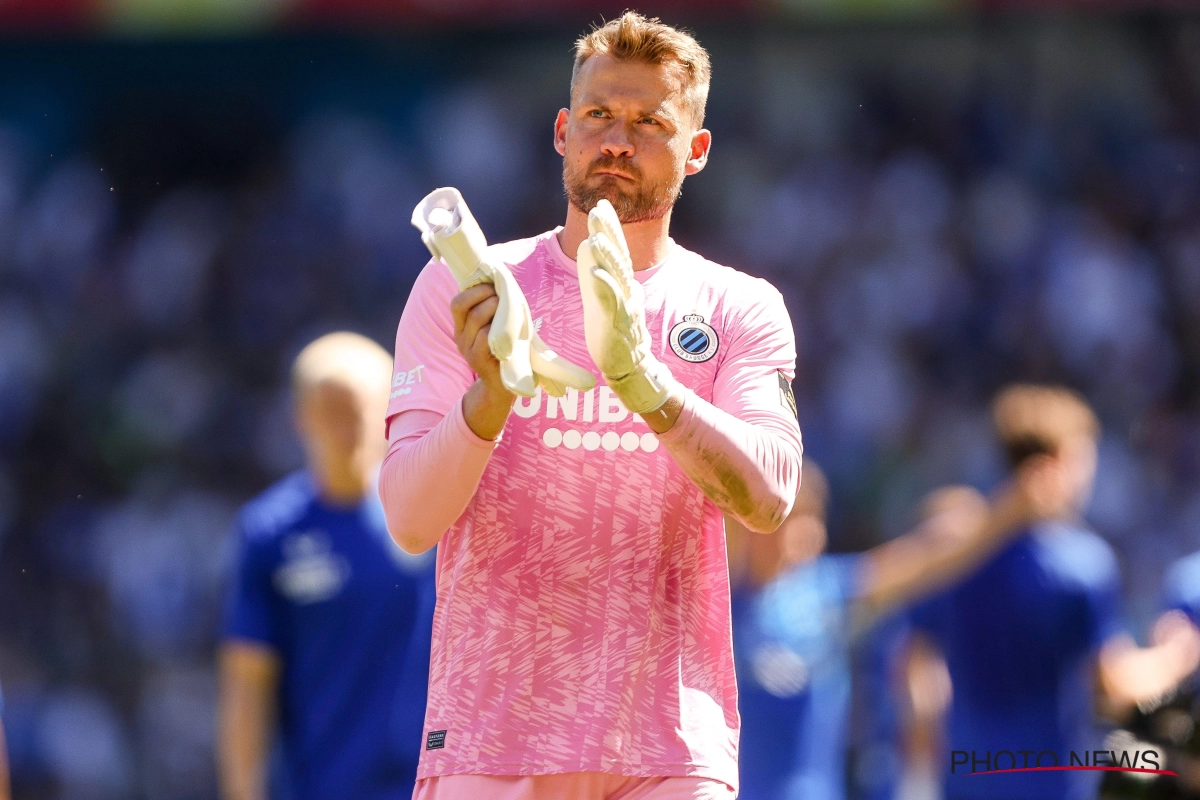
<point>625,771</point>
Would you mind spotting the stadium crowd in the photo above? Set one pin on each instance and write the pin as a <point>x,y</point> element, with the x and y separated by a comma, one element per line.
<point>946,210</point>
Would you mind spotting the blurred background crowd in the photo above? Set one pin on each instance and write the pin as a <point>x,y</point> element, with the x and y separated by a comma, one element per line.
<point>947,203</point>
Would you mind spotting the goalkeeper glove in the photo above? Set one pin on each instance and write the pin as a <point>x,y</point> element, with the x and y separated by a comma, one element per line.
<point>451,233</point>
<point>614,316</point>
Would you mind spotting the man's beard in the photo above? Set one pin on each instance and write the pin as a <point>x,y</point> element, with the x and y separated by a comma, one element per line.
<point>639,203</point>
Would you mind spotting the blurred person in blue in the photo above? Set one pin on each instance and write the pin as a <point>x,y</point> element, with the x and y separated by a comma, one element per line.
<point>1033,640</point>
<point>327,633</point>
<point>796,614</point>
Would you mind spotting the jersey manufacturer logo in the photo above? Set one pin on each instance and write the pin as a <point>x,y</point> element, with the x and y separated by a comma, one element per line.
<point>436,740</point>
<point>693,339</point>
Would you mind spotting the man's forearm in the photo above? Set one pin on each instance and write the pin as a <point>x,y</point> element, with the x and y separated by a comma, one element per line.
<point>749,471</point>
<point>942,549</point>
<point>246,718</point>
<point>430,475</point>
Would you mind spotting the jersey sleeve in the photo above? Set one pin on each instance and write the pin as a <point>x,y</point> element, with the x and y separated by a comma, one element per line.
<point>754,378</point>
<point>252,605</point>
<point>743,449</point>
<point>429,373</point>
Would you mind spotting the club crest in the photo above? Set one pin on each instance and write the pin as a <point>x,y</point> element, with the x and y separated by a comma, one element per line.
<point>693,339</point>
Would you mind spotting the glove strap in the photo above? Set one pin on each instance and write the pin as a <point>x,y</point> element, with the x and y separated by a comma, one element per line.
<point>645,389</point>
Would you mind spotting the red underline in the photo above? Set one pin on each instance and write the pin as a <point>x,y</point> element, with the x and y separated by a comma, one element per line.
<point>1077,769</point>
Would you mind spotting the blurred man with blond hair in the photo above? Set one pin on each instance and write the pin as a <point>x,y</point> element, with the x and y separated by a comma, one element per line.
<point>581,642</point>
<point>1031,635</point>
<point>326,640</point>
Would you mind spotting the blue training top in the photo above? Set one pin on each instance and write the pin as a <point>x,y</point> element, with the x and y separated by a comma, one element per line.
<point>1181,587</point>
<point>1019,637</point>
<point>350,615</point>
<point>792,650</point>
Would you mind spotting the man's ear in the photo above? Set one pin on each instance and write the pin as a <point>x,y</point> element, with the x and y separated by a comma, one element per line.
<point>698,156</point>
<point>560,131</point>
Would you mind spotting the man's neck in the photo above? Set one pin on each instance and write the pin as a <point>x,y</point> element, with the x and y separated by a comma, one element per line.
<point>341,485</point>
<point>648,241</point>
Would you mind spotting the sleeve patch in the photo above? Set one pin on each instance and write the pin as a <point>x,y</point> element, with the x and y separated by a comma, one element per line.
<point>785,394</point>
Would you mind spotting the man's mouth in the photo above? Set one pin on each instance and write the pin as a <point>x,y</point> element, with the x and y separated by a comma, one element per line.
<point>611,174</point>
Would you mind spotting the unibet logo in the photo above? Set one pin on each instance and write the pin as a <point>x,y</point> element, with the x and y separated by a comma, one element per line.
<point>402,381</point>
<point>599,405</point>
<point>595,405</point>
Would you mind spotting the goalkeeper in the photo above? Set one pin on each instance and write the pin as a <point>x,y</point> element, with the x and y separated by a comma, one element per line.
<point>581,644</point>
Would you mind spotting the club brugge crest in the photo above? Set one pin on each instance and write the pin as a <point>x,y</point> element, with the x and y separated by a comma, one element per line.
<point>694,340</point>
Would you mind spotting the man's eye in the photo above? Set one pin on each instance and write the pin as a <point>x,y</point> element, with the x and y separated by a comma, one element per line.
<point>596,113</point>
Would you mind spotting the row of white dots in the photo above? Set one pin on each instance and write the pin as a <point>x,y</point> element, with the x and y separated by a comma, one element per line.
<point>573,439</point>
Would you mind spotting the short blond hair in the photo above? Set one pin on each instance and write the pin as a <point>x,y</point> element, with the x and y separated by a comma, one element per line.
<point>1033,420</point>
<point>632,37</point>
<point>343,358</point>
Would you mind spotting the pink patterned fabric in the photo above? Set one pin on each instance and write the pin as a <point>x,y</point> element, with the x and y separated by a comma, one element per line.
<point>582,622</point>
<point>569,786</point>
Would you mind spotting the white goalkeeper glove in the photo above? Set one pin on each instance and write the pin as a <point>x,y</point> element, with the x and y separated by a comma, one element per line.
<point>451,233</point>
<point>614,319</point>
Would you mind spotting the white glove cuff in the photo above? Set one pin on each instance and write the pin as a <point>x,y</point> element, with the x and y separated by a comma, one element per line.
<point>645,389</point>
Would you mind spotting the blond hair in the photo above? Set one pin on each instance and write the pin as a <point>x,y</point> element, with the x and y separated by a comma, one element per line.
<point>344,358</point>
<point>1033,420</point>
<point>632,37</point>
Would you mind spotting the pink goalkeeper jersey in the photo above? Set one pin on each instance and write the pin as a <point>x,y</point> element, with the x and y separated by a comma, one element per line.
<point>583,620</point>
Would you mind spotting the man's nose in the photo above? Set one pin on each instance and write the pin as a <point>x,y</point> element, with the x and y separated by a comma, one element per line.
<point>617,144</point>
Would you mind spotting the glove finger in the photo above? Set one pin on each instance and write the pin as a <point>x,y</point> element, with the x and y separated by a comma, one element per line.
<point>516,371</point>
<point>511,322</point>
<point>631,290</point>
<point>518,381</point>
<point>617,306</point>
<point>597,298</point>
<point>553,367</point>
<point>610,257</point>
<point>609,293</point>
<point>505,325</point>
<point>603,219</point>
<point>550,387</point>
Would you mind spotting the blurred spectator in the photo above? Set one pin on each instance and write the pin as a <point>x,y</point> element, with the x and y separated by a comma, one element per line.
<point>328,630</point>
<point>86,746</point>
